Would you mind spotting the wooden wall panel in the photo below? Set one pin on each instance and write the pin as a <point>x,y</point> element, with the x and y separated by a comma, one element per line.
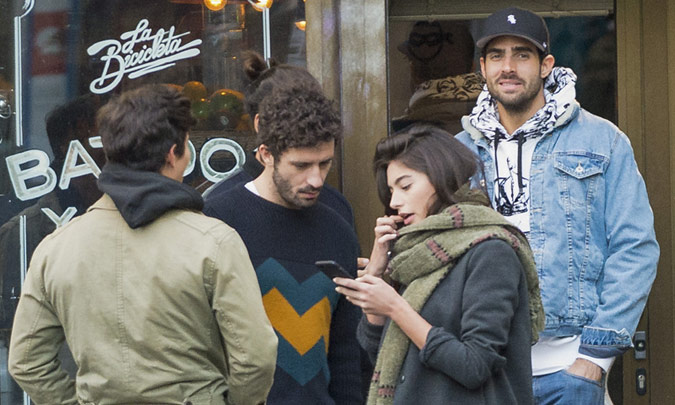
<point>323,53</point>
<point>363,61</point>
<point>645,47</point>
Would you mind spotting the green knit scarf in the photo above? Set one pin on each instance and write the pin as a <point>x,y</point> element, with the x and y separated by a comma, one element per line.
<point>423,255</point>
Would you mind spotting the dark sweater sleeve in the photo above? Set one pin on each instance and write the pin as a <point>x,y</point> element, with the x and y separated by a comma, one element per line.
<point>344,359</point>
<point>369,336</point>
<point>490,299</point>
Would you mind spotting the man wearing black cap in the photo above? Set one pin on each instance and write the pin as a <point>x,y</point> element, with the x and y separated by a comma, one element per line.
<point>568,179</point>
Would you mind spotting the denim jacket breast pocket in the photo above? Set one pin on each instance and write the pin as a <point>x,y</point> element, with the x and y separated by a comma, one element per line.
<point>578,177</point>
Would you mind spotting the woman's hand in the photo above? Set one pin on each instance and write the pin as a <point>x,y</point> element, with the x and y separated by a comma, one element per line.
<point>370,293</point>
<point>386,230</point>
<point>380,301</point>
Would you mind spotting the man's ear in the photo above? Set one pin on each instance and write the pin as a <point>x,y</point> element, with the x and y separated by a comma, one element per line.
<point>482,66</point>
<point>171,156</point>
<point>547,65</point>
<point>265,155</point>
<point>169,168</point>
<point>256,120</point>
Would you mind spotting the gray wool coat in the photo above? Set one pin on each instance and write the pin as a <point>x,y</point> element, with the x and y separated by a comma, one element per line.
<point>478,350</point>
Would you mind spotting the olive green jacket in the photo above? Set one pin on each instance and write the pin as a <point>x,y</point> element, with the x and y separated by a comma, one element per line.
<point>166,313</point>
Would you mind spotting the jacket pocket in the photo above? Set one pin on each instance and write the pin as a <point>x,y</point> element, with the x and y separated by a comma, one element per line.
<point>578,174</point>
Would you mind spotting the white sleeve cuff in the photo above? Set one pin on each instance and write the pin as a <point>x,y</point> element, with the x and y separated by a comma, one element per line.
<point>605,363</point>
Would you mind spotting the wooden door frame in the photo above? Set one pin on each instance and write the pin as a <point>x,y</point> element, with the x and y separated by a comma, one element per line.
<point>645,50</point>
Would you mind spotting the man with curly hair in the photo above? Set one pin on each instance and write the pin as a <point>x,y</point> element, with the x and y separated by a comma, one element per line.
<point>286,230</point>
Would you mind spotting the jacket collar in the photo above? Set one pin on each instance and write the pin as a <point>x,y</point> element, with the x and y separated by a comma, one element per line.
<point>103,203</point>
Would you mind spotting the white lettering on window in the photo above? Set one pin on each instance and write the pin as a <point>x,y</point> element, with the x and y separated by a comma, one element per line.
<point>212,147</point>
<point>30,174</point>
<point>159,51</point>
<point>193,153</point>
<point>72,169</point>
<point>68,214</point>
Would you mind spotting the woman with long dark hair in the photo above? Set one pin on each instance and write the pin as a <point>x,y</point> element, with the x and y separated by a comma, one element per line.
<point>450,295</point>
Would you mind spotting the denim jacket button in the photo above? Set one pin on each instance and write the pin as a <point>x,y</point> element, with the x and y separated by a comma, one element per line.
<point>402,378</point>
<point>579,169</point>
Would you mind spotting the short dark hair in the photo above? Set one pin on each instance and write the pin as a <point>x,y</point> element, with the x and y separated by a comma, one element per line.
<point>266,79</point>
<point>429,150</point>
<point>296,118</point>
<point>139,127</point>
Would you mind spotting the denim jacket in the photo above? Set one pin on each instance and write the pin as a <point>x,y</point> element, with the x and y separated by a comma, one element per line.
<point>591,230</point>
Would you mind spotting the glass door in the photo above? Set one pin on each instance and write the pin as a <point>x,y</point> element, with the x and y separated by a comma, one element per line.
<point>60,60</point>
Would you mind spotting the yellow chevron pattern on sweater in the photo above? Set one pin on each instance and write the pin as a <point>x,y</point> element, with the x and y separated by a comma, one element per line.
<point>301,331</point>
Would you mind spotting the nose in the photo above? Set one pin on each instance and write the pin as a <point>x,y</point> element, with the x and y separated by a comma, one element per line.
<point>395,203</point>
<point>507,66</point>
<point>315,177</point>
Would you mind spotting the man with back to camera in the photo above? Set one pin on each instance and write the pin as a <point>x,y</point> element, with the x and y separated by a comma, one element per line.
<point>569,180</point>
<point>158,303</point>
<point>286,230</point>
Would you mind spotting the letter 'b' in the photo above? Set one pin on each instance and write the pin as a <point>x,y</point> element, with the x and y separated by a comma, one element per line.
<point>21,177</point>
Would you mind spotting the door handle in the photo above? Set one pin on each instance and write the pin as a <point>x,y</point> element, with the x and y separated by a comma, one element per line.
<point>5,107</point>
<point>640,345</point>
<point>5,115</point>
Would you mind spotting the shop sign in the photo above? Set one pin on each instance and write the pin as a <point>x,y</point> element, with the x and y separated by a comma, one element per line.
<point>139,52</point>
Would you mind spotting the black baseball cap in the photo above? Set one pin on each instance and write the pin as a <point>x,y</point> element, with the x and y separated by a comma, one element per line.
<point>517,22</point>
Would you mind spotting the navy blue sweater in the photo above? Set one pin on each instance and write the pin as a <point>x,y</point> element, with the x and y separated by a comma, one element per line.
<point>318,356</point>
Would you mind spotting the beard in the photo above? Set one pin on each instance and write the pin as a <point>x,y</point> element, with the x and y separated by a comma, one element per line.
<point>285,190</point>
<point>516,103</point>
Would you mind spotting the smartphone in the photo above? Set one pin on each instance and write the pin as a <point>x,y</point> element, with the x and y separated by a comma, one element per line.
<point>332,269</point>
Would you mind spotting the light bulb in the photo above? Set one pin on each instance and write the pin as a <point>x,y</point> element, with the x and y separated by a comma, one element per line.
<point>301,25</point>
<point>215,5</point>
<point>261,4</point>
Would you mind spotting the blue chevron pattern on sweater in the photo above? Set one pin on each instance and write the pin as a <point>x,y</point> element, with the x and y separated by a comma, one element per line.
<point>302,296</point>
<point>302,368</point>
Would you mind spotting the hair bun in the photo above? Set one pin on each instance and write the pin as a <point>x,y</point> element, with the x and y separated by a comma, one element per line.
<point>255,65</point>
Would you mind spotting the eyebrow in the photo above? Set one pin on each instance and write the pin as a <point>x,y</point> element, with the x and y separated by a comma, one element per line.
<point>400,179</point>
<point>310,162</point>
<point>513,49</point>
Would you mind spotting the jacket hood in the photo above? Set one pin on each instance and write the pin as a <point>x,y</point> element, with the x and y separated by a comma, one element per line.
<point>143,196</point>
<point>560,108</point>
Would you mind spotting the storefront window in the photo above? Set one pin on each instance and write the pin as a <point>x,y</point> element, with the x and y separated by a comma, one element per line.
<point>434,70</point>
<point>60,60</point>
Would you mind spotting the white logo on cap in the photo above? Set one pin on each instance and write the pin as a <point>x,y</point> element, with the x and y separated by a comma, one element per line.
<point>511,18</point>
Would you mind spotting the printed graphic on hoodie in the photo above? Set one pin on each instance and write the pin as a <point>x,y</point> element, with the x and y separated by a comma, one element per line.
<point>511,188</point>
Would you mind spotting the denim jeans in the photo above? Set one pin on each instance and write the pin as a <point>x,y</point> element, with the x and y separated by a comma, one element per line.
<point>563,388</point>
